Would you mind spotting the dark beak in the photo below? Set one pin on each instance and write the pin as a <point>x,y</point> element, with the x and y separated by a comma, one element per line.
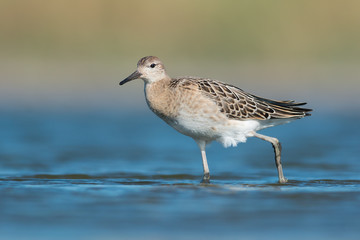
<point>134,75</point>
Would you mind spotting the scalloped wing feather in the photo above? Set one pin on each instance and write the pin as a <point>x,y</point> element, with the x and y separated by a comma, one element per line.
<point>237,104</point>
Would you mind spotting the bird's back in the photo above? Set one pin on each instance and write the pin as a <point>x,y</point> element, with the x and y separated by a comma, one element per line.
<point>239,105</point>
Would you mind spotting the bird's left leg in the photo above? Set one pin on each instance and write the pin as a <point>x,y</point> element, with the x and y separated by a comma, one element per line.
<point>202,146</point>
<point>277,149</point>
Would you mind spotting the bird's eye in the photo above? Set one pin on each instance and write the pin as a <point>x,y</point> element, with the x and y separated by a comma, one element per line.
<point>152,65</point>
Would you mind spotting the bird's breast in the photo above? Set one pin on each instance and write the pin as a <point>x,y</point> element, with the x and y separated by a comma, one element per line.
<point>161,100</point>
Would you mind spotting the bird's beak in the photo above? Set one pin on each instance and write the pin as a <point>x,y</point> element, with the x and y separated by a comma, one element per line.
<point>134,75</point>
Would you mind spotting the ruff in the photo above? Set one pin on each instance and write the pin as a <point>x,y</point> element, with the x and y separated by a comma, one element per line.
<point>209,110</point>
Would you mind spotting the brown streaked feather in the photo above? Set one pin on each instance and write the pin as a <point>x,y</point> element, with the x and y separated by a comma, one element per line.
<point>238,104</point>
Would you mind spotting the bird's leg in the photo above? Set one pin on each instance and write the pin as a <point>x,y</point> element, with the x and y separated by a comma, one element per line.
<point>277,149</point>
<point>206,177</point>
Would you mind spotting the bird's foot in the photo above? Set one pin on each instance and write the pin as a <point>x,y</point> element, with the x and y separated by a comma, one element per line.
<point>206,179</point>
<point>283,180</point>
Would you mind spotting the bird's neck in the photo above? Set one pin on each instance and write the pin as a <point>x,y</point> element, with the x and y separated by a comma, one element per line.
<point>161,98</point>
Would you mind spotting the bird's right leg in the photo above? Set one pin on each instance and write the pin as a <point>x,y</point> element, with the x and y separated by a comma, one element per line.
<point>202,146</point>
<point>277,149</point>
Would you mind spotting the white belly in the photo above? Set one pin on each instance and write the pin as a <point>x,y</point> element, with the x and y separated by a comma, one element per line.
<point>218,127</point>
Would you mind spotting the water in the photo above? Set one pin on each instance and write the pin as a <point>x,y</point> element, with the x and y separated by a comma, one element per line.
<point>98,175</point>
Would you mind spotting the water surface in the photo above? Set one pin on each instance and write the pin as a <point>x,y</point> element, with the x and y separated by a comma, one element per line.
<point>98,175</point>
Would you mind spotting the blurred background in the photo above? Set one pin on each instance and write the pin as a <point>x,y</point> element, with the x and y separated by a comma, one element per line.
<point>72,54</point>
<point>83,158</point>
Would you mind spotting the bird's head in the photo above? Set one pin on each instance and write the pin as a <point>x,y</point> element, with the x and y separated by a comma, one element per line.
<point>150,69</point>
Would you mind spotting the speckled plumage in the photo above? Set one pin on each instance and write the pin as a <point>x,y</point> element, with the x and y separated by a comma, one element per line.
<point>209,110</point>
<point>239,105</point>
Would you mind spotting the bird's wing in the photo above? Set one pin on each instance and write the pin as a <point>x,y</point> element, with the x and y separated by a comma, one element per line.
<point>238,104</point>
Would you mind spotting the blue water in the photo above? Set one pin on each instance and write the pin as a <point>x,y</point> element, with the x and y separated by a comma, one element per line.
<point>102,175</point>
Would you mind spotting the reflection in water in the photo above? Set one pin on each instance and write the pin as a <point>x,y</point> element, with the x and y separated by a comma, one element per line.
<point>88,176</point>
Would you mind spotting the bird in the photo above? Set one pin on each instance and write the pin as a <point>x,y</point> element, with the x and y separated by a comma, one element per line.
<point>209,110</point>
